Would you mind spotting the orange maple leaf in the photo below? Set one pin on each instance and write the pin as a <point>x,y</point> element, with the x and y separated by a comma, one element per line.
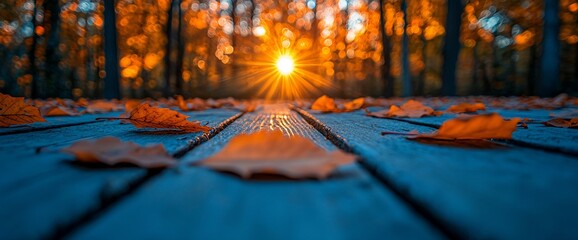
<point>111,151</point>
<point>15,111</point>
<point>271,152</point>
<point>487,126</point>
<point>147,116</point>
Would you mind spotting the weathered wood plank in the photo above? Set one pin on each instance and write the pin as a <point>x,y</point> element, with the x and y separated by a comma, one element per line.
<point>45,195</point>
<point>537,135</point>
<point>497,193</point>
<point>198,203</point>
<point>55,122</point>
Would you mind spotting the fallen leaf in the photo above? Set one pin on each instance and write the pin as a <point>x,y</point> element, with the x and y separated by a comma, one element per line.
<point>410,109</point>
<point>487,126</point>
<point>271,152</point>
<point>324,104</point>
<point>146,116</point>
<point>15,111</point>
<point>111,151</point>
<point>356,104</point>
<point>562,123</point>
<point>54,111</point>
<point>466,108</point>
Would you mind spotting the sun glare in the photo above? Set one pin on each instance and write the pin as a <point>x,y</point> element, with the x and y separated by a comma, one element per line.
<point>285,65</point>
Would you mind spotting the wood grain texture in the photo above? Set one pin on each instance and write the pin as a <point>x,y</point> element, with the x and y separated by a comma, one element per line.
<point>478,189</point>
<point>537,135</point>
<point>55,122</point>
<point>43,194</point>
<point>198,203</point>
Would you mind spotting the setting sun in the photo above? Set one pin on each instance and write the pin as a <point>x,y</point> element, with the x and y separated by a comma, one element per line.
<point>285,65</point>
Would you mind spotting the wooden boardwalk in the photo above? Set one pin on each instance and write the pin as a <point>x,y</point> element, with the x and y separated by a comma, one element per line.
<point>525,188</point>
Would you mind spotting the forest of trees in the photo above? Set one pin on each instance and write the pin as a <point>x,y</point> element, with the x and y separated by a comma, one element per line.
<point>345,48</point>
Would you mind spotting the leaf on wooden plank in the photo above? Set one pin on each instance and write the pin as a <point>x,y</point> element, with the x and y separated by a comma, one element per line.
<point>111,151</point>
<point>353,105</point>
<point>410,109</point>
<point>487,126</point>
<point>15,111</point>
<point>270,152</point>
<point>324,104</point>
<point>562,123</point>
<point>147,116</point>
<point>54,111</point>
<point>466,108</point>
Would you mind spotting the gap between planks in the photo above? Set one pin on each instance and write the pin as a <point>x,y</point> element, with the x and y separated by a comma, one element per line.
<point>110,200</point>
<point>36,129</point>
<point>436,222</point>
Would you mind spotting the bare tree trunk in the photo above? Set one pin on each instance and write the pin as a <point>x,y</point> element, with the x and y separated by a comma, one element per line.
<point>169,60</point>
<point>52,58</point>
<point>386,77</point>
<point>111,80</point>
<point>406,78</point>
<point>549,81</point>
<point>452,46</point>
<point>180,52</point>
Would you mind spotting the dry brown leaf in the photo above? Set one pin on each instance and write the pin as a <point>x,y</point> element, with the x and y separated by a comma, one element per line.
<point>410,109</point>
<point>15,111</point>
<point>146,116</point>
<point>54,111</point>
<point>487,126</point>
<point>563,123</point>
<point>466,108</point>
<point>111,151</point>
<point>356,104</point>
<point>324,104</point>
<point>271,152</point>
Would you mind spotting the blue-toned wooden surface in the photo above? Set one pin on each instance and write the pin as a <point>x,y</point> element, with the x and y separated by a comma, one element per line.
<point>402,189</point>
<point>480,189</point>
<point>43,193</point>
<point>198,203</point>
